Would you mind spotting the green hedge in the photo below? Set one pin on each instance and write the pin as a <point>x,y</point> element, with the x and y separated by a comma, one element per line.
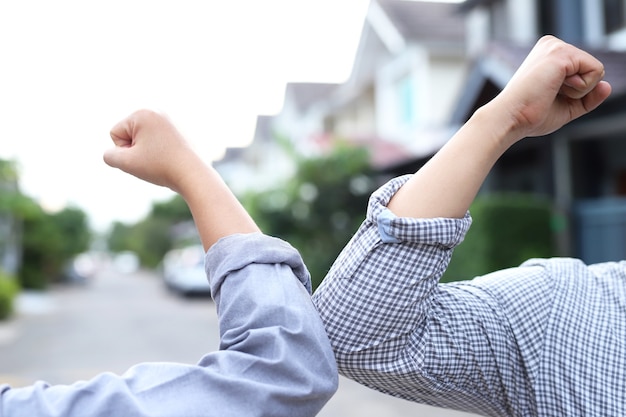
<point>8,291</point>
<point>507,229</point>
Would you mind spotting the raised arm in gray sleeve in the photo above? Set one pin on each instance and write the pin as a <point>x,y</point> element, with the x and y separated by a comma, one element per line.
<point>274,359</point>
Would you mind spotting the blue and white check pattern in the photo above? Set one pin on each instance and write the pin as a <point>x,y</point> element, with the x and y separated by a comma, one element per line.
<point>547,338</point>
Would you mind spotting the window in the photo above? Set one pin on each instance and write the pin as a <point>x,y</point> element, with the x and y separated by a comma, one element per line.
<point>614,15</point>
<point>406,101</point>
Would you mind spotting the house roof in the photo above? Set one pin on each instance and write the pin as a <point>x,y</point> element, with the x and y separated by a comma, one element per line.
<point>470,4</point>
<point>416,20</point>
<point>305,94</point>
<point>263,128</point>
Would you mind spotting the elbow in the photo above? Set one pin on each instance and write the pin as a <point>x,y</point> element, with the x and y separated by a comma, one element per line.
<point>327,381</point>
<point>310,377</point>
<point>317,385</point>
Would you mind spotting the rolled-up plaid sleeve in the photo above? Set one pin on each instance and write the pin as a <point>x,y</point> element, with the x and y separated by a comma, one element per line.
<point>377,290</point>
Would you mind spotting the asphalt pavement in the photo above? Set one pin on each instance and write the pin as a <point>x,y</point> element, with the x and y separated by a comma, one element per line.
<point>71,333</point>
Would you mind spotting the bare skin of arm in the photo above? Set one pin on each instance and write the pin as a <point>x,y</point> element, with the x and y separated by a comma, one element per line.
<point>556,84</point>
<point>149,147</point>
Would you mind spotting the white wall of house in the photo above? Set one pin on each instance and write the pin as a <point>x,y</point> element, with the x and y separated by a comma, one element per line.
<point>265,166</point>
<point>596,30</point>
<point>477,27</point>
<point>594,23</point>
<point>290,122</point>
<point>522,20</point>
<point>400,86</point>
<point>357,118</point>
<point>617,40</point>
<point>446,79</point>
<point>417,92</point>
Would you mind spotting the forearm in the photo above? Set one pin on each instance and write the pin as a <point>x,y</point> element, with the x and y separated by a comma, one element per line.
<point>555,84</point>
<point>448,183</point>
<point>216,211</point>
<point>149,147</point>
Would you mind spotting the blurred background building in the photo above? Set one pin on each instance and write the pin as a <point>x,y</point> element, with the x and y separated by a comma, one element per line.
<point>421,70</point>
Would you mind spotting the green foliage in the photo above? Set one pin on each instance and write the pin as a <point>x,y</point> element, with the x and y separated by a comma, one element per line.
<point>507,229</point>
<point>49,241</point>
<point>12,201</point>
<point>319,208</point>
<point>174,210</point>
<point>151,237</point>
<point>8,172</point>
<point>8,291</point>
<point>120,237</point>
<point>73,224</point>
<point>154,240</point>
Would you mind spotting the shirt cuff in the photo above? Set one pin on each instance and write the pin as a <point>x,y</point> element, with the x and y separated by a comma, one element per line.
<point>236,251</point>
<point>448,232</point>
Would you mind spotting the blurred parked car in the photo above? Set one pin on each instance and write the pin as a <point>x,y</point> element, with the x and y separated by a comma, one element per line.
<point>126,262</point>
<point>183,271</point>
<point>81,268</point>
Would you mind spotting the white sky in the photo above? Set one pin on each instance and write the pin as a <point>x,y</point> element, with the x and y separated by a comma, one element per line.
<point>70,69</point>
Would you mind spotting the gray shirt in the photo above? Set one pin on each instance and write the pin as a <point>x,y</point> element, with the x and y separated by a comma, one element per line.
<point>274,358</point>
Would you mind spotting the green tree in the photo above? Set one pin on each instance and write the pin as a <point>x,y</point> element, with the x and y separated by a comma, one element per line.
<point>11,203</point>
<point>119,237</point>
<point>508,229</point>
<point>8,290</point>
<point>151,237</point>
<point>49,241</point>
<point>174,210</point>
<point>319,208</point>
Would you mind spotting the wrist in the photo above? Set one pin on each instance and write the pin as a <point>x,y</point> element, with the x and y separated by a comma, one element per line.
<point>498,125</point>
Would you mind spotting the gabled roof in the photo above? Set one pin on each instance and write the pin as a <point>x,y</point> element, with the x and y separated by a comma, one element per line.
<point>416,20</point>
<point>263,128</point>
<point>495,67</point>
<point>470,4</point>
<point>392,27</point>
<point>305,94</point>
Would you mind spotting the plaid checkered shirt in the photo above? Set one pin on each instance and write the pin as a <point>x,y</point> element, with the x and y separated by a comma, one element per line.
<point>547,338</point>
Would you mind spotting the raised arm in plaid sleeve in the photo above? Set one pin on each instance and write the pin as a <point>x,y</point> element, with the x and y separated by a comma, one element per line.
<point>543,339</point>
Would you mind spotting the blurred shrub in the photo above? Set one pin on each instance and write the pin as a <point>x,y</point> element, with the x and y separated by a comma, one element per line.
<point>319,208</point>
<point>152,237</point>
<point>49,241</point>
<point>8,291</point>
<point>507,229</point>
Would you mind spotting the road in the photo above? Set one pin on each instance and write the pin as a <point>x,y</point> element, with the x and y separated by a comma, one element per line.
<point>71,333</point>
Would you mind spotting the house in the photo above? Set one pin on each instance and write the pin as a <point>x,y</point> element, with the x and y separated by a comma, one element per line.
<point>423,68</point>
<point>260,165</point>
<point>409,67</point>
<point>269,158</point>
<point>582,167</point>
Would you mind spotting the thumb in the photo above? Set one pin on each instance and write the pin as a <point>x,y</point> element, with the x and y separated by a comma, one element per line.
<point>116,157</point>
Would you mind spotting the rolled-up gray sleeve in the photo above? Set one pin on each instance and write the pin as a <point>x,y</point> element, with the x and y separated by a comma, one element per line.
<point>274,358</point>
